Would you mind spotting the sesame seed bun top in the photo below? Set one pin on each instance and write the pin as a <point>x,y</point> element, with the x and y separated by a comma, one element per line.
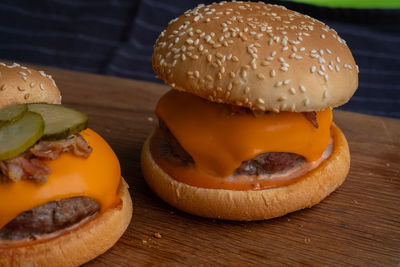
<point>256,55</point>
<point>19,84</point>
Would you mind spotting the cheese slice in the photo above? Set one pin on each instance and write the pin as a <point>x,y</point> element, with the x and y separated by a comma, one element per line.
<point>96,177</point>
<point>220,141</point>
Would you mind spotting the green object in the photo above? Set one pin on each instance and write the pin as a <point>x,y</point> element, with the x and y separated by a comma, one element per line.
<point>18,136</point>
<point>60,121</point>
<point>12,113</point>
<point>361,4</point>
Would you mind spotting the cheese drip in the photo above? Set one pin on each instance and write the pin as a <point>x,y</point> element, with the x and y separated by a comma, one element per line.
<point>96,177</point>
<point>219,140</point>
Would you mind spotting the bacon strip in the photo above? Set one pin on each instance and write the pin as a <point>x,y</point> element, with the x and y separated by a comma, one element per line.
<point>30,165</point>
<point>51,150</point>
<point>312,117</point>
<point>21,167</point>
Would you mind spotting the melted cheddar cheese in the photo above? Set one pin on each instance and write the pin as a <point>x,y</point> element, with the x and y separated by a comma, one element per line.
<point>220,141</point>
<point>96,177</point>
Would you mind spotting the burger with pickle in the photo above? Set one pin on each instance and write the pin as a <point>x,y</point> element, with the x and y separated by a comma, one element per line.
<point>62,198</point>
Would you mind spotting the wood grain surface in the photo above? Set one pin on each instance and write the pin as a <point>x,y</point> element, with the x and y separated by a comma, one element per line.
<point>359,224</point>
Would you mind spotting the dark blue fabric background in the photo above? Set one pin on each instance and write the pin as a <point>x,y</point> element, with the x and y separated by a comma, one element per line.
<point>115,37</point>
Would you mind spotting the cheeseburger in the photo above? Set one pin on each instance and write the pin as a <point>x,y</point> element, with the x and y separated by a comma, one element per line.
<point>62,199</point>
<point>246,133</point>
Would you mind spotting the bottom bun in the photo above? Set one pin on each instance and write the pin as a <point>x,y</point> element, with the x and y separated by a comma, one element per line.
<point>79,245</point>
<point>251,205</point>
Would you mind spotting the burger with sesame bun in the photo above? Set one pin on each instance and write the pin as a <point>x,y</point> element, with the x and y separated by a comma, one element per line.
<point>62,199</point>
<point>246,133</point>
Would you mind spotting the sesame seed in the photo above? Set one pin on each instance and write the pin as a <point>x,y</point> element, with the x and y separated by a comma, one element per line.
<point>272,73</point>
<point>260,76</point>
<point>323,36</point>
<point>283,68</point>
<point>281,98</point>
<point>338,59</point>
<point>260,100</point>
<point>292,90</point>
<point>286,81</point>
<point>21,88</point>
<point>313,69</point>
<point>323,68</point>
<point>302,89</point>
<point>197,74</point>
<point>325,95</point>
<point>337,68</point>
<point>232,74</point>
<point>320,72</point>
<point>278,84</point>
<point>326,77</point>
<point>329,51</point>
<point>306,102</point>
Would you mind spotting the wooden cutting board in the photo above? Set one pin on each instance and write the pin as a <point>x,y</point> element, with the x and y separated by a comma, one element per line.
<point>359,224</point>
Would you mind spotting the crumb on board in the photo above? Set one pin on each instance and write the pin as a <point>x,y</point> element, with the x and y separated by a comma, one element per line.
<point>150,119</point>
<point>355,201</point>
<point>144,241</point>
<point>157,235</point>
<point>307,240</point>
<point>387,164</point>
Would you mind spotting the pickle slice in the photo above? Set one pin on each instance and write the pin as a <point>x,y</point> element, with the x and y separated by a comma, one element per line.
<point>12,113</point>
<point>59,121</point>
<point>18,136</point>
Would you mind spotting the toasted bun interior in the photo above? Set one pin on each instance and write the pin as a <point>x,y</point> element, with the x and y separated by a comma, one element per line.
<point>19,84</point>
<point>251,205</point>
<point>77,246</point>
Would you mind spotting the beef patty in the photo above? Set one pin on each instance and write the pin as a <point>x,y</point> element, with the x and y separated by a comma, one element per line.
<point>266,163</point>
<point>48,218</point>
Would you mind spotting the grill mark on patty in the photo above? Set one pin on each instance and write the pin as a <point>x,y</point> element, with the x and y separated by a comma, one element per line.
<point>266,163</point>
<point>50,217</point>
